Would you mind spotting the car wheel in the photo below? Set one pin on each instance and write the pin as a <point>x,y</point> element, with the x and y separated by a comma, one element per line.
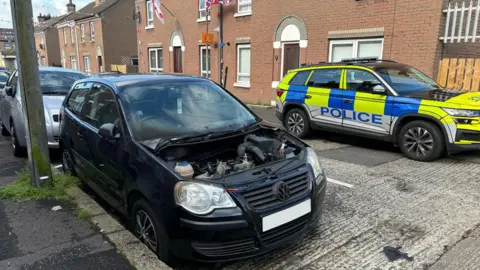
<point>421,141</point>
<point>67,163</point>
<point>4,130</point>
<point>18,150</point>
<point>147,227</point>
<point>297,123</point>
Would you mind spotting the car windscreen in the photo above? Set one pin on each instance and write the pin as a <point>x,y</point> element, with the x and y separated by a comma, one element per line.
<point>166,110</point>
<point>58,82</point>
<point>407,80</point>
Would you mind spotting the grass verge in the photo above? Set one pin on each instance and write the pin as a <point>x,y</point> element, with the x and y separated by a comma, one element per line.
<point>22,190</point>
<point>83,214</point>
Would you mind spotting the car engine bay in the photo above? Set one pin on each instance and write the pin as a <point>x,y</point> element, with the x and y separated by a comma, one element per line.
<point>219,158</point>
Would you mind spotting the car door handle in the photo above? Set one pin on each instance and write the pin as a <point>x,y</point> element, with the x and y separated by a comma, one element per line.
<point>80,135</point>
<point>348,101</point>
<point>308,97</point>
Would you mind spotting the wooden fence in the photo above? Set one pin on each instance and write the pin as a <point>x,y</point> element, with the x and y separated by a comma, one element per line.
<point>461,74</point>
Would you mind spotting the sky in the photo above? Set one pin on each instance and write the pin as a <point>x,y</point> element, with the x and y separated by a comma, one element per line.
<point>54,7</point>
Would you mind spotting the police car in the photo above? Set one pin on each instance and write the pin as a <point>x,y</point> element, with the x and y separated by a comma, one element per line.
<point>380,99</point>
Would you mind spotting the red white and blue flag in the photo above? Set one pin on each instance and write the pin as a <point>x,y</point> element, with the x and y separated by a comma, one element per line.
<point>158,11</point>
<point>209,3</point>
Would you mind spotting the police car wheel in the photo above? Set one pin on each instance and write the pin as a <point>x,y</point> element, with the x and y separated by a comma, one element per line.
<point>422,141</point>
<point>297,123</point>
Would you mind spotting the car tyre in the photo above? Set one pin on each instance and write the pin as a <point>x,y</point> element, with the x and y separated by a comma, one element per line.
<point>422,141</point>
<point>146,229</point>
<point>297,123</point>
<point>67,163</point>
<point>4,130</point>
<point>18,150</point>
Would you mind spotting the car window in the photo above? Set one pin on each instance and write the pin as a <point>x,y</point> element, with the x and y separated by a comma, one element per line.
<point>325,78</point>
<point>58,82</point>
<point>361,81</point>
<point>300,78</point>
<point>101,107</point>
<point>406,80</point>
<point>3,77</point>
<point>14,82</point>
<point>76,99</point>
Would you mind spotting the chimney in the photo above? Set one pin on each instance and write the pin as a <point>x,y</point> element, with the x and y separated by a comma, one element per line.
<point>41,18</point>
<point>71,7</point>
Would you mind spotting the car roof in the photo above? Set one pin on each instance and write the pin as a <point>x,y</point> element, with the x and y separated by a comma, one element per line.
<point>369,63</point>
<point>59,69</point>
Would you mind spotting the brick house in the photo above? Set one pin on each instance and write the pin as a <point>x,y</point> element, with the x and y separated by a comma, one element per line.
<point>268,37</point>
<point>47,42</point>
<point>104,34</point>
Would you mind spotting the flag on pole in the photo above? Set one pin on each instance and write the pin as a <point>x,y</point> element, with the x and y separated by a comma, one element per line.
<point>210,3</point>
<point>158,11</point>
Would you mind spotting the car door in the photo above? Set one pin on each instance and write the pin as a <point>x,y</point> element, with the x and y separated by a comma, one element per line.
<point>108,154</point>
<point>363,109</point>
<point>73,130</point>
<point>8,102</point>
<point>324,96</point>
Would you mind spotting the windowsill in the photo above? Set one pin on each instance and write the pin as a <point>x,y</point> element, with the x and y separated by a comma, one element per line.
<point>156,71</point>
<point>91,41</point>
<point>242,14</point>
<point>83,42</point>
<point>149,27</point>
<point>204,19</point>
<point>241,85</point>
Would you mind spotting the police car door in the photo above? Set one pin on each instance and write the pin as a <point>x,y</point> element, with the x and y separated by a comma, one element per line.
<point>364,110</point>
<point>324,97</point>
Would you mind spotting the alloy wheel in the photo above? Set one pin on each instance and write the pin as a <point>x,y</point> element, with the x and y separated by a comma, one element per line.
<point>145,230</point>
<point>14,139</point>
<point>419,141</point>
<point>67,162</point>
<point>295,123</point>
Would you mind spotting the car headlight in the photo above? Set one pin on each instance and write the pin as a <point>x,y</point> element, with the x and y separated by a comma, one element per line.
<point>312,159</point>
<point>464,113</point>
<point>201,198</point>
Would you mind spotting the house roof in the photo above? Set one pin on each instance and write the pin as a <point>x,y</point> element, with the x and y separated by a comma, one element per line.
<point>42,26</point>
<point>91,10</point>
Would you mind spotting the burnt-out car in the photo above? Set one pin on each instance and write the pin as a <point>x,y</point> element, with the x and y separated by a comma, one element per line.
<point>196,172</point>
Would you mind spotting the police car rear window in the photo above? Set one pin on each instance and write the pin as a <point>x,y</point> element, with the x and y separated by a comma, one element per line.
<point>300,78</point>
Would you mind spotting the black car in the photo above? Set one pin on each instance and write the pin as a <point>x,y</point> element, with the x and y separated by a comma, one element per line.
<point>197,173</point>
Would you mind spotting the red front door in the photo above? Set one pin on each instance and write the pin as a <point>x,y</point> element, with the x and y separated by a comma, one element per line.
<point>291,57</point>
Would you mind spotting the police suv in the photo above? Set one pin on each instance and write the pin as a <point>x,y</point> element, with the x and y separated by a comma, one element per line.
<point>380,99</point>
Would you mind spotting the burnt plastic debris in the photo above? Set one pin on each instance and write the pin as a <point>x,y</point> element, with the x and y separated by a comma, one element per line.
<point>394,254</point>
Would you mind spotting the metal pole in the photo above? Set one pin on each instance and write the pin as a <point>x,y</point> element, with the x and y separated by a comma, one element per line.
<point>31,95</point>
<point>220,62</point>
<point>76,43</point>
<point>207,48</point>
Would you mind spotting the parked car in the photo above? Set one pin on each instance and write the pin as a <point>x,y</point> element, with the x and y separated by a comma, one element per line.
<point>106,74</point>
<point>3,79</point>
<point>54,84</point>
<point>3,69</point>
<point>383,100</point>
<point>197,173</point>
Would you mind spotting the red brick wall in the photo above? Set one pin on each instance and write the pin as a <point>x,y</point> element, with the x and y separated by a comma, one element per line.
<point>411,35</point>
<point>39,51</point>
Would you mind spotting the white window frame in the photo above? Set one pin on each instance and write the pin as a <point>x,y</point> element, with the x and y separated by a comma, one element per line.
<point>202,72</point>
<point>72,34</point>
<point>156,69</point>
<point>150,16</point>
<point>85,64</point>
<point>64,62</point>
<point>204,10</point>
<point>241,3</point>
<point>43,60</point>
<point>354,43</point>
<point>92,31</point>
<point>65,38</point>
<point>238,82</point>
<point>73,59</point>
<point>82,30</point>
<point>42,40</point>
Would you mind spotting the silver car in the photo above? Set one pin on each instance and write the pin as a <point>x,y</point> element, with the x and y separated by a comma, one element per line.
<point>55,83</point>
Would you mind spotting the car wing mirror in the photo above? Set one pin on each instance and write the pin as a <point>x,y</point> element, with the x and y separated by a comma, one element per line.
<point>379,89</point>
<point>107,131</point>
<point>9,91</point>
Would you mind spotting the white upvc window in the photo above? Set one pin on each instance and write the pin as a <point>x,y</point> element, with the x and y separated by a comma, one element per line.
<point>64,64</point>
<point>92,31</point>
<point>73,61</point>
<point>155,59</point>
<point>341,49</point>
<point>243,65</point>
<point>65,35</point>
<point>82,30</point>
<point>150,15</point>
<point>244,6</point>
<point>72,34</point>
<point>44,61</point>
<point>202,10</point>
<point>205,65</point>
<point>86,61</point>
<point>42,40</point>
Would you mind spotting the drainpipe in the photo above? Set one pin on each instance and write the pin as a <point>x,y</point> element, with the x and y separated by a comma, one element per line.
<point>76,43</point>
<point>220,28</point>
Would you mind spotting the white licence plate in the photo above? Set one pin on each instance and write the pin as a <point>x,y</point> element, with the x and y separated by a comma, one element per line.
<point>274,220</point>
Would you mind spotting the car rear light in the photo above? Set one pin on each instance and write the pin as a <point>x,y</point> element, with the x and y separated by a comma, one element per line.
<point>279,93</point>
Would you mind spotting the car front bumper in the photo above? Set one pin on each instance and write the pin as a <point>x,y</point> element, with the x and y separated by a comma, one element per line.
<point>232,234</point>
<point>465,140</point>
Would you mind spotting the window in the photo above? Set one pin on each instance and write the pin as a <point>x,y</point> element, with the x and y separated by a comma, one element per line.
<point>6,46</point>
<point>44,61</point>
<point>340,49</point>
<point>65,35</point>
<point>149,14</point>
<point>77,98</point>
<point>300,78</point>
<point>72,34</point>
<point>361,81</point>
<point>92,31</point>
<point>82,30</point>
<point>244,6</point>
<point>156,59</point>
<point>407,80</point>
<point>64,62</point>
<point>58,81</point>
<point>42,40</point>
<point>243,64</point>
<point>38,58</point>
<point>325,78</point>
<point>73,60</point>
<point>205,67</point>
<point>14,82</point>
<point>101,107</point>
<point>202,9</point>
<point>86,61</point>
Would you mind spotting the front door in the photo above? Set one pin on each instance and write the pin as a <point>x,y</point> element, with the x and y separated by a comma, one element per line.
<point>291,57</point>
<point>100,63</point>
<point>363,109</point>
<point>177,60</point>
